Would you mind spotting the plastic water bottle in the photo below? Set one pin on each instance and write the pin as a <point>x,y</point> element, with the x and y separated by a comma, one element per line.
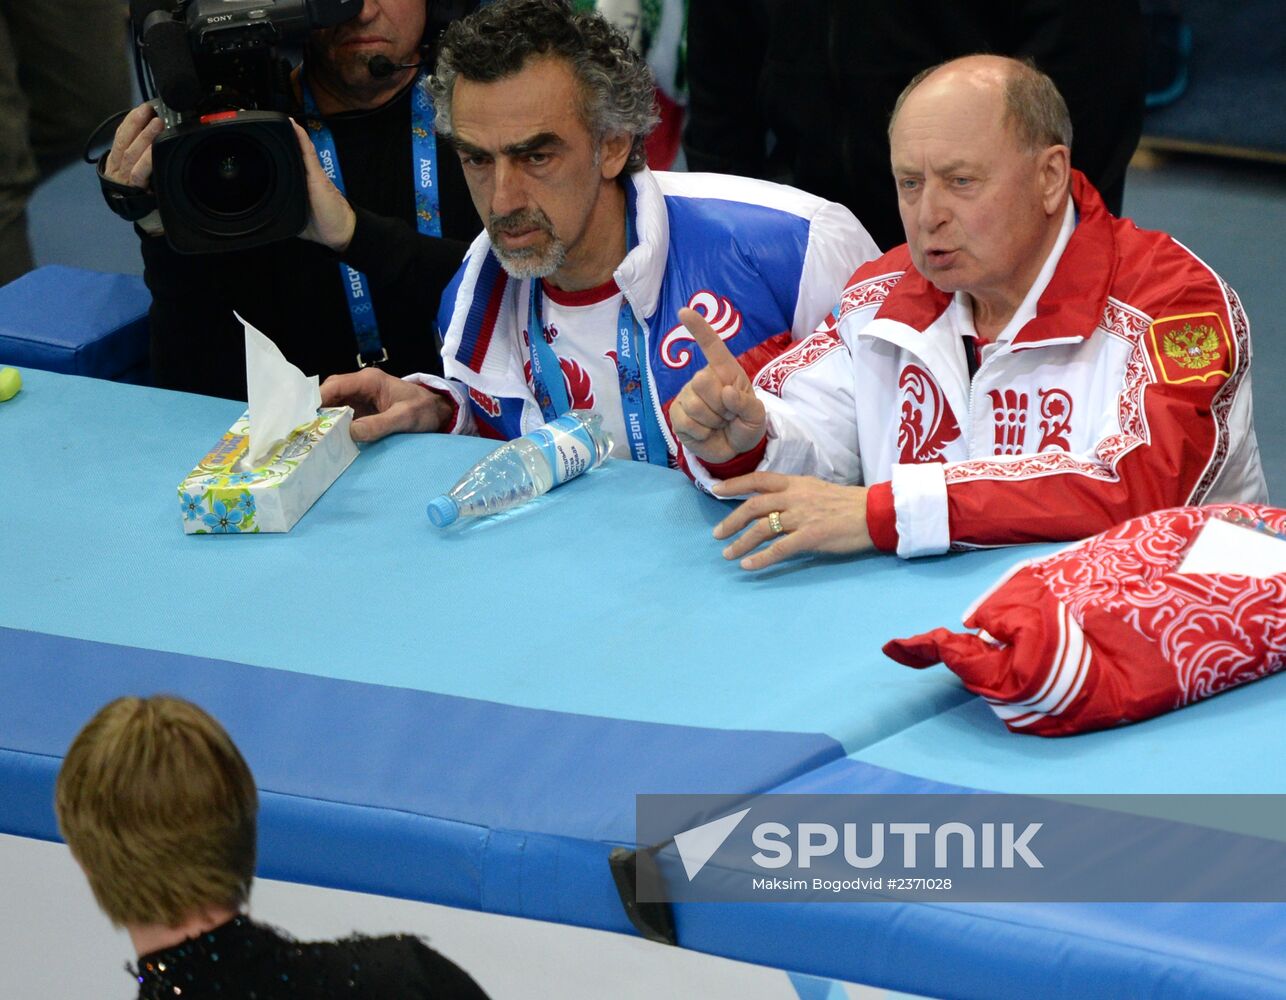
<point>526,467</point>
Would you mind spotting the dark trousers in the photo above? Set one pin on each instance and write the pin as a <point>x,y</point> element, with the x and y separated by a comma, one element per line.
<point>63,69</point>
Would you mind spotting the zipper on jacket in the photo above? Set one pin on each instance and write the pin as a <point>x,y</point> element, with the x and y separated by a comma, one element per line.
<point>983,361</point>
<point>650,382</point>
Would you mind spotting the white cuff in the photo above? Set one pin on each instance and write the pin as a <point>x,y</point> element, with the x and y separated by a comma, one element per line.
<point>463,422</point>
<point>920,509</point>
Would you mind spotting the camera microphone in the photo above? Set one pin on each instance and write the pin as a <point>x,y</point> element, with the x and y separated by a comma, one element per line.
<point>169,55</point>
<point>141,10</point>
<point>381,67</point>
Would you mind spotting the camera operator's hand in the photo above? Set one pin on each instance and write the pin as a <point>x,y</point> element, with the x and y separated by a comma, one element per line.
<point>331,219</point>
<point>129,161</point>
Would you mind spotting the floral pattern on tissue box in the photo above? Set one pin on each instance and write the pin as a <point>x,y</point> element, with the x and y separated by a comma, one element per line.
<point>215,499</point>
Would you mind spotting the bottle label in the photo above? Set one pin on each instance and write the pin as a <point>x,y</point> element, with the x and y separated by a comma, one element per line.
<point>567,445</point>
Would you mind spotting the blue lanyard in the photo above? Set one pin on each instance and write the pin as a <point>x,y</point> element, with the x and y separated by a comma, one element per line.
<point>647,443</point>
<point>428,220</point>
<point>546,373</point>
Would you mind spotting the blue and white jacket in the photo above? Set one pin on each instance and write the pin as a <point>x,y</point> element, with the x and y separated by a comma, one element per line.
<point>765,264</point>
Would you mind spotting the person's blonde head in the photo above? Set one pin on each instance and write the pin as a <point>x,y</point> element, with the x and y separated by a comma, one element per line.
<point>159,809</point>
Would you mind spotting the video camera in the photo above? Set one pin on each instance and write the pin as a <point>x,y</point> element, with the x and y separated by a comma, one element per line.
<point>226,170</point>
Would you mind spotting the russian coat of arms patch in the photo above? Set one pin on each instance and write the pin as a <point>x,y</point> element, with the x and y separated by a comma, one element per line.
<point>1192,348</point>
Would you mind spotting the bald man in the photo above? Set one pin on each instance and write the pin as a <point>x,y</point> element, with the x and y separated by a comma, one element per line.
<point>1025,368</point>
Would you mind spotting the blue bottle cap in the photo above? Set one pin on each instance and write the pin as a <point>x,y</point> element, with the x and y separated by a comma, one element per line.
<point>443,511</point>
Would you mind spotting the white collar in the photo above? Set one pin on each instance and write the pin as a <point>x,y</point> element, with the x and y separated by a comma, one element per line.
<point>642,272</point>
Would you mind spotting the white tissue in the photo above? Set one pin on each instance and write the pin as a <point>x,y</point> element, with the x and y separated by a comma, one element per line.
<point>281,397</point>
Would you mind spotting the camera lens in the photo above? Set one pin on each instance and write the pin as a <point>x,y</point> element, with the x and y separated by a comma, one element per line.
<point>229,175</point>
<point>230,181</point>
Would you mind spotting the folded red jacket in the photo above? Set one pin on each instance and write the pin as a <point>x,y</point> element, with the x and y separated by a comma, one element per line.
<point>1109,632</point>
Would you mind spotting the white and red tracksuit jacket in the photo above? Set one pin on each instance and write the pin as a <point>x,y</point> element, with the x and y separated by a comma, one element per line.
<point>1121,386</point>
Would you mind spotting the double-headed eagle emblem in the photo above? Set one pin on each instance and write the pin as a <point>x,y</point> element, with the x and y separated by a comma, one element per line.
<point>1192,347</point>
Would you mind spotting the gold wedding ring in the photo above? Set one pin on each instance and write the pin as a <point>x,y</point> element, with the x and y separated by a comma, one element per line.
<point>774,522</point>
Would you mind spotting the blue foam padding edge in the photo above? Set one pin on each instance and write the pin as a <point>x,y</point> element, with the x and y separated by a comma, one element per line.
<point>1066,950</point>
<point>79,322</point>
<point>386,852</point>
<point>475,844</point>
<point>389,790</point>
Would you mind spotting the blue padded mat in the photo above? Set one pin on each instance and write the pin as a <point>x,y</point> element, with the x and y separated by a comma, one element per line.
<point>490,786</point>
<point>68,319</point>
<point>608,597</point>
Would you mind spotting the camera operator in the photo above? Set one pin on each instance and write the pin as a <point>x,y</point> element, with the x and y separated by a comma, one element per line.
<point>356,89</point>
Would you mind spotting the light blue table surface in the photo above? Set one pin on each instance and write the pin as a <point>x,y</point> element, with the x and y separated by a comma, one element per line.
<point>607,597</point>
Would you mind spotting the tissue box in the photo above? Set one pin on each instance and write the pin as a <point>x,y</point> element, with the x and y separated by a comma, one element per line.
<point>218,498</point>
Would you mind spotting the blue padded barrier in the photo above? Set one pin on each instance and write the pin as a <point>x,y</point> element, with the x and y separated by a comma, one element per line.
<point>67,319</point>
<point>383,789</point>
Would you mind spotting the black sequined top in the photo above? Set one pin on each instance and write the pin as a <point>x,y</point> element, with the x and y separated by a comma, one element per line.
<point>251,961</point>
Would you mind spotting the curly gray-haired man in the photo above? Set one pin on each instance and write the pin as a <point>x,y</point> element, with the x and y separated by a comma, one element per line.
<point>617,88</point>
<point>542,43</point>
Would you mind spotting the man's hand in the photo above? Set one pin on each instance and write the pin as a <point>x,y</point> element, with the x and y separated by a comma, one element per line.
<point>814,516</point>
<point>716,416</point>
<point>385,405</point>
<point>129,161</point>
<point>331,219</point>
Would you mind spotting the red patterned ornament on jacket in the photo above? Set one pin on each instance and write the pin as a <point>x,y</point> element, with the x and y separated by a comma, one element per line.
<point>926,425</point>
<point>1009,410</point>
<point>1056,419</point>
<point>487,404</point>
<point>580,388</point>
<point>803,355</point>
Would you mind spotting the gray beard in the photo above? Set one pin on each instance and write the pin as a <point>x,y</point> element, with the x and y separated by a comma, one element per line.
<point>528,262</point>
<point>532,262</point>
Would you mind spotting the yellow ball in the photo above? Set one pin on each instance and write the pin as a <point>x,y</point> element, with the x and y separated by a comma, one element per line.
<point>10,383</point>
